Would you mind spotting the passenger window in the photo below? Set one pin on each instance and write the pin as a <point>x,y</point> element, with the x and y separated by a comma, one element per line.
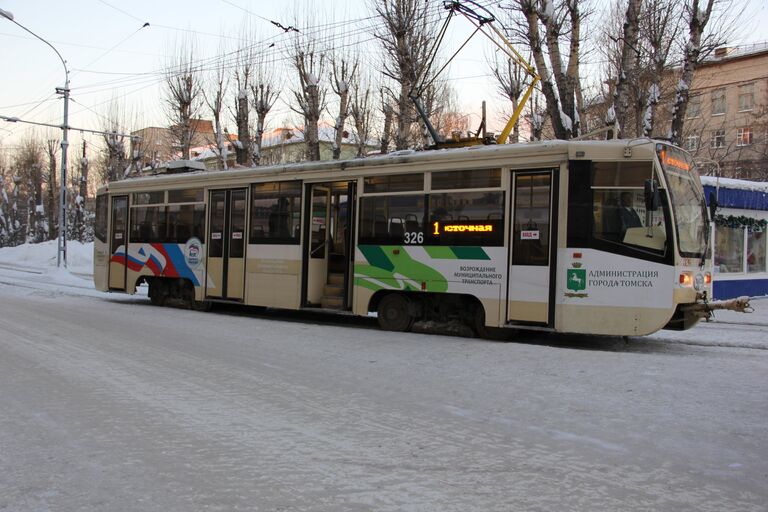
<point>394,183</point>
<point>275,213</point>
<point>184,222</point>
<point>479,178</point>
<point>102,208</point>
<point>392,220</point>
<point>189,195</point>
<point>149,197</point>
<point>148,224</point>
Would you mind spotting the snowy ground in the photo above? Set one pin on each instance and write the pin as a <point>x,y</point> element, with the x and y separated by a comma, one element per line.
<point>108,403</point>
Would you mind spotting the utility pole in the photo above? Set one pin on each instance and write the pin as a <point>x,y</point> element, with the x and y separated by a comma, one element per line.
<point>62,245</point>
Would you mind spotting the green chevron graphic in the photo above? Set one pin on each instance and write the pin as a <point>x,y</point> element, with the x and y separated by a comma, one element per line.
<point>391,267</point>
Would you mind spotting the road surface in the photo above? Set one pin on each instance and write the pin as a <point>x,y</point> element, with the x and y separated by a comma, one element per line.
<point>108,403</point>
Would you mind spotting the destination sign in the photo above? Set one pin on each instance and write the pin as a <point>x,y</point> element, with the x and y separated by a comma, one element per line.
<point>461,228</point>
<point>674,160</point>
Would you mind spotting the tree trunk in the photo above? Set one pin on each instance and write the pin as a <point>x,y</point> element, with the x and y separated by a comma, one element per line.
<point>388,115</point>
<point>311,118</point>
<point>340,120</point>
<point>242,150</point>
<point>534,39</point>
<point>697,23</point>
<point>628,71</point>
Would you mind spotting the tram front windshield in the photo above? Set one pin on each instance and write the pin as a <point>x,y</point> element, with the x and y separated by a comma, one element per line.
<point>687,196</point>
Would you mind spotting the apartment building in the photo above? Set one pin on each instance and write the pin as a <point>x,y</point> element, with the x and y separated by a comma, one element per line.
<point>726,125</point>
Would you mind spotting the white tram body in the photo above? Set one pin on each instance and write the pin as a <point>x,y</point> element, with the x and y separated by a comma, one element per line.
<point>601,237</point>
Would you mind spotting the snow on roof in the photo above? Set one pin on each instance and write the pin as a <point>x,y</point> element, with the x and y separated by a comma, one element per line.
<point>754,186</point>
<point>284,135</point>
<point>727,53</point>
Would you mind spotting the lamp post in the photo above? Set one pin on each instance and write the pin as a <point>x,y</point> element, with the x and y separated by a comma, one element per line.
<point>62,246</point>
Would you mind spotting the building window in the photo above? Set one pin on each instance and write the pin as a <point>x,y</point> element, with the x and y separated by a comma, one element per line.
<point>692,142</point>
<point>718,102</point>
<point>746,97</point>
<point>744,137</point>
<point>694,107</point>
<point>718,139</point>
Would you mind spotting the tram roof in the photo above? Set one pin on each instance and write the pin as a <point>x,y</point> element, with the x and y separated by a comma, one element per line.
<point>505,155</point>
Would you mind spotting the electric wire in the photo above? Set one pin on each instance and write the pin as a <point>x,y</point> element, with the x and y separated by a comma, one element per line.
<point>137,82</point>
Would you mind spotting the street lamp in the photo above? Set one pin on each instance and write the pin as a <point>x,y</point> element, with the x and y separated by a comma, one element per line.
<point>62,247</point>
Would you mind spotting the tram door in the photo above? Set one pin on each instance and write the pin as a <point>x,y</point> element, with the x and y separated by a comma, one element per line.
<point>531,239</point>
<point>118,243</point>
<point>329,245</point>
<point>226,243</point>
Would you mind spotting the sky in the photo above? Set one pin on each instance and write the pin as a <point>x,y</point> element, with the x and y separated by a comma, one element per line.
<point>113,58</point>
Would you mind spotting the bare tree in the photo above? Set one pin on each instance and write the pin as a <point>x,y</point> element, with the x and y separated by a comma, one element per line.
<point>79,224</point>
<point>361,111</point>
<point>28,178</point>
<point>244,64</point>
<point>52,147</point>
<point>264,93</point>
<point>628,64</point>
<point>114,163</point>
<point>407,37</point>
<point>214,94</point>
<point>6,226</point>
<point>703,38</point>
<point>560,83</point>
<point>343,73</point>
<point>309,63</point>
<point>509,82</point>
<point>183,94</point>
<point>661,25</point>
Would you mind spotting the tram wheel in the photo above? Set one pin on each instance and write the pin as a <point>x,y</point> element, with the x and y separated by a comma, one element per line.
<point>394,313</point>
<point>478,322</point>
<point>188,295</point>
<point>158,292</point>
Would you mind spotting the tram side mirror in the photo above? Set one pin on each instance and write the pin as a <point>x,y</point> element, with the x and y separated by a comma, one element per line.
<point>714,204</point>
<point>652,196</point>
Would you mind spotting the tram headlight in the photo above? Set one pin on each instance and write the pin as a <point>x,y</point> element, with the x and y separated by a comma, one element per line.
<point>707,278</point>
<point>686,279</point>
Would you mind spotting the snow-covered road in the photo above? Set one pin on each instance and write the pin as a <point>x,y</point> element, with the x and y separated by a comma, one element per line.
<point>108,403</point>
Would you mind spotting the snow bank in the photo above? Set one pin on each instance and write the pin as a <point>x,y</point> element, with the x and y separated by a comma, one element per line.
<point>41,259</point>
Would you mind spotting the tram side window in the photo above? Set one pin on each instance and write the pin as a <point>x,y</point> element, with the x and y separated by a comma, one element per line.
<point>619,206</point>
<point>608,197</point>
<point>102,208</point>
<point>392,220</point>
<point>184,222</point>
<point>275,213</point>
<point>479,178</point>
<point>157,197</point>
<point>148,224</point>
<point>394,183</point>
<point>466,218</point>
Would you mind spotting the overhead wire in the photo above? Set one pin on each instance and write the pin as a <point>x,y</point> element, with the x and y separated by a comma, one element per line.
<point>143,80</point>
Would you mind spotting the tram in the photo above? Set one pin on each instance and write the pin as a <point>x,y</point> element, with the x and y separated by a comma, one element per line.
<point>597,237</point>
